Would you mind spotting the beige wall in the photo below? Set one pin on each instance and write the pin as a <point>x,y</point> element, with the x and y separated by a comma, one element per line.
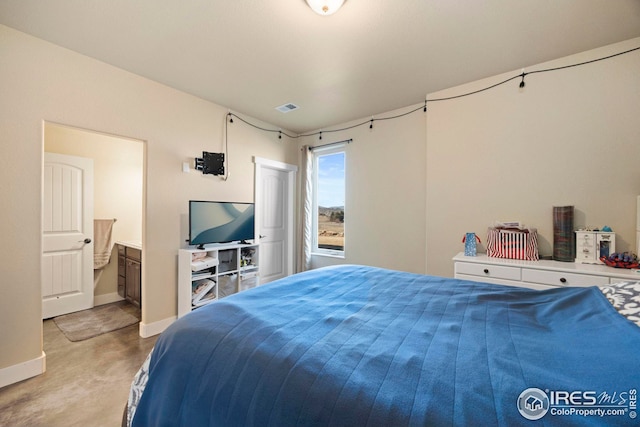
<point>118,185</point>
<point>571,137</point>
<point>42,82</point>
<point>385,193</point>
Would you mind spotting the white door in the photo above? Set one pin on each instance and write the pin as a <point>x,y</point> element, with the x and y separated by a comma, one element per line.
<point>67,239</point>
<point>274,209</point>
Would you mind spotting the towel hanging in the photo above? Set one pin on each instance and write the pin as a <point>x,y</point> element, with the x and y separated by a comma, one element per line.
<point>102,245</point>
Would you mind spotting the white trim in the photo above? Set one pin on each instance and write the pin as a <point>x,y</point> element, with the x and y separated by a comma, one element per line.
<point>275,164</point>
<point>147,330</point>
<point>106,299</point>
<point>338,148</point>
<point>329,253</point>
<point>23,371</point>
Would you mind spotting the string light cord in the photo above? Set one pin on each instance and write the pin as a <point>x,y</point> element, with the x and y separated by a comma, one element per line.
<point>586,62</point>
<point>477,91</point>
<point>278,131</point>
<point>370,122</point>
<point>226,147</point>
<point>524,74</point>
<point>426,101</point>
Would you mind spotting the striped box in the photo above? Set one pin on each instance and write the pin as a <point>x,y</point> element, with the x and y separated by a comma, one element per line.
<point>512,244</point>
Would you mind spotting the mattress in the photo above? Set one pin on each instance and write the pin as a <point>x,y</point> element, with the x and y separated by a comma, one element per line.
<point>355,345</point>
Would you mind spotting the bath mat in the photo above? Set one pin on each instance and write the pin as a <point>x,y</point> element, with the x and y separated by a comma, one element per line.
<point>87,324</point>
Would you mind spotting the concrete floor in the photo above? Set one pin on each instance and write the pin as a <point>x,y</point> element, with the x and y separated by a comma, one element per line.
<point>86,383</point>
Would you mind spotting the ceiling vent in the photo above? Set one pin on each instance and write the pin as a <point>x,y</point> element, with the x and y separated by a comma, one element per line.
<point>285,108</point>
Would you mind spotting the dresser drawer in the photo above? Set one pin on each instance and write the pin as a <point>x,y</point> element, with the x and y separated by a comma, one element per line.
<point>585,255</point>
<point>585,239</point>
<point>488,270</point>
<point>556,278</point>
<point>541,274</point>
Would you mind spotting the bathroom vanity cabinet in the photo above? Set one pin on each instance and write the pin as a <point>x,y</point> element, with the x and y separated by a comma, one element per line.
<point>129,273</point>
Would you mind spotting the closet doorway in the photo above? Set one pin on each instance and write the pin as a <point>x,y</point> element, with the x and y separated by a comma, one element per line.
<point>118,189</point>
<point>274,194</point>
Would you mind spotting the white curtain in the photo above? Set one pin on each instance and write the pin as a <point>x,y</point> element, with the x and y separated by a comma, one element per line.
<point>306,215</point>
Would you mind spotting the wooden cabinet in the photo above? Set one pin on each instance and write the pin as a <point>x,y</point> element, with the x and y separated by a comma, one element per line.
<point>129,274</point>
<point>205,275</point>
<point>543,274</point>
<point>122,280</point>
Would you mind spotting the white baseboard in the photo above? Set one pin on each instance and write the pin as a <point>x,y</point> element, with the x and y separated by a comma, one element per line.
<point>106,298</point>
<point>150,329</point>
<point>23,371</point>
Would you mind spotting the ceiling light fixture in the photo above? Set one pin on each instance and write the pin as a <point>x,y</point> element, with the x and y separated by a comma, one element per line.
<point>325,7</point>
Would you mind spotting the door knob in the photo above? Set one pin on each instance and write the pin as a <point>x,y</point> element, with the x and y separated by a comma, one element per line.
<point>86,241</point>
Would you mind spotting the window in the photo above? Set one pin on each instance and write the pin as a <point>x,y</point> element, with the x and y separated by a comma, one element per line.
<point>328,201</point>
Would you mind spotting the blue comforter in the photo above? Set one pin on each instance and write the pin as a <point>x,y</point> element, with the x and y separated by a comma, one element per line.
<point>356,346</point>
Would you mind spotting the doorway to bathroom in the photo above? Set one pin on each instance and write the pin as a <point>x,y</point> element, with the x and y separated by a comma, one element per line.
<point>118,188</point>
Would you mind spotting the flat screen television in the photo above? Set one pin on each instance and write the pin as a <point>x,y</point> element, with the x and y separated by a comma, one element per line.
<point>220,222</point>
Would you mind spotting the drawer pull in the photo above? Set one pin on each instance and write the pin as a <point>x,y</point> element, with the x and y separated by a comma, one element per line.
<point>486,271</point>
<point>563,280</point>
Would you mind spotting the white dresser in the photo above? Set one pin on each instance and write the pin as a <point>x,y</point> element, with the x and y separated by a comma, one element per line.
<point>537,274</point>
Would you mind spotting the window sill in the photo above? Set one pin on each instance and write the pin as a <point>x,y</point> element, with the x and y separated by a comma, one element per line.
<point>339,255</point>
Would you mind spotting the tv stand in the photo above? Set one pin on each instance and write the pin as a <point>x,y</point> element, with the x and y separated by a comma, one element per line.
<point>229,268</point>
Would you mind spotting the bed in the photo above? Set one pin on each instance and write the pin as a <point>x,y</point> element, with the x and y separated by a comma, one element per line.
<point>355,346</point>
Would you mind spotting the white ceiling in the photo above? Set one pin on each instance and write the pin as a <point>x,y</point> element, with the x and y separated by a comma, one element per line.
<point>371,57</point>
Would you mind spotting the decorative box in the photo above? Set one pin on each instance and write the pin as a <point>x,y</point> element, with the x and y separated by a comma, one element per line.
<point>593,245</point>
<point>513,243</point>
